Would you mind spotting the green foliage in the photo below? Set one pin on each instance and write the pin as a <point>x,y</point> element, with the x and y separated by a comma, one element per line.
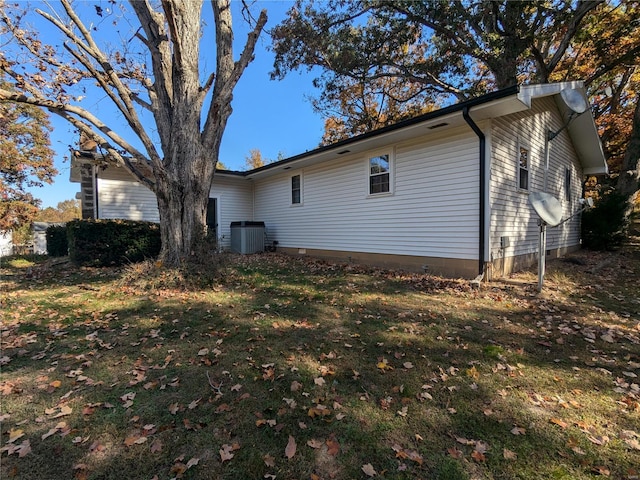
<point>112,242</point>
<point>65,211</point>
<point>26,160</point>
<point>57,245</point>
<point>605,226</point>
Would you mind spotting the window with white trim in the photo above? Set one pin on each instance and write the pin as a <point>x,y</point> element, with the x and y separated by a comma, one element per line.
<point>296,189</point>
<point>379,174</point>
<point>524,164</point>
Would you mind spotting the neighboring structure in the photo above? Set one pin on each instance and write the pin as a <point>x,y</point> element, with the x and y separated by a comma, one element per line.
<point>6,243</point>
<point>39,231</point>
<point>445,192</point>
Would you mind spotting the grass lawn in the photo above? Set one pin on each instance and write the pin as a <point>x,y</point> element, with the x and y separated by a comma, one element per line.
<point>299,369</point>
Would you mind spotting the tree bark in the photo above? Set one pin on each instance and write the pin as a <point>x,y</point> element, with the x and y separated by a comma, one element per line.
<point>629,179</point>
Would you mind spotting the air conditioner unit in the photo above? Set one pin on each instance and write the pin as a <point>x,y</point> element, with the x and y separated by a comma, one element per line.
<point>247,237</point>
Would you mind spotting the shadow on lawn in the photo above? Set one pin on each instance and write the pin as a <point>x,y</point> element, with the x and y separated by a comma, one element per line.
<point>469,351</point>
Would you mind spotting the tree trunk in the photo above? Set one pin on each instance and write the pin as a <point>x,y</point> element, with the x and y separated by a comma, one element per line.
<point>182,196</point>
<point>629,179</point>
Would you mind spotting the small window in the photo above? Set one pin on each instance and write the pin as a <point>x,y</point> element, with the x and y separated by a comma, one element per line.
<point>523,167</point>
<point>567,184</point>
<point>379,174</point>
<point>296,190</point>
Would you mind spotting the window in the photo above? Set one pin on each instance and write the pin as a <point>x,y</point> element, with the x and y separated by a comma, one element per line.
<point>296,190</point>
<point>523,167</point>
<point>379,174</point>
<point>567,184</point>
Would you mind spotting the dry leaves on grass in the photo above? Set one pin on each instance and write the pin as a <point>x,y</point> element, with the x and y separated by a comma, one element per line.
<point>226,451</point>
<point>368,470</point>
<point>290,449</point>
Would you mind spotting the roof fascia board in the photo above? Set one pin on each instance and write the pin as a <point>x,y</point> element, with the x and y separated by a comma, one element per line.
<point>452,110</point>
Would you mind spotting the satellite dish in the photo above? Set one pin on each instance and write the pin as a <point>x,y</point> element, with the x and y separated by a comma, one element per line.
<point>547,207</point>
<point>574,100</point>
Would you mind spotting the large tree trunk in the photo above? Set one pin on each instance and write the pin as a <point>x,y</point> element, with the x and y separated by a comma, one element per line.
<point>629,179</point>
<point>182,197</point>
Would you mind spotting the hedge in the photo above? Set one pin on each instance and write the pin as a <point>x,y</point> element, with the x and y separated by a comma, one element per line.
<point>102,243</point>
<point>605,226</point>
<point>57,245</point>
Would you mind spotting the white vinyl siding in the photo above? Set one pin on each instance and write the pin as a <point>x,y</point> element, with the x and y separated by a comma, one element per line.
<point>433,211</point>
<point>235,204</point>
<point>120,196</point>
<point>511,214</point>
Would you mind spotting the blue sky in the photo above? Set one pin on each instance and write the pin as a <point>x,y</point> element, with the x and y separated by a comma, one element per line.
<point>272,116</point>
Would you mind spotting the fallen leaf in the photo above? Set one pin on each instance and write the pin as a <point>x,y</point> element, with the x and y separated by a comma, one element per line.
<point>598,439</point>
<point>64,411</point>
<point>290,449</point>
<point>315,443</point>
<point>135,439</point>
<point>193,462</point>
<point>156,446</point>
<point>464,441</point>
<point>319,381</point>
<point>226,453</point>
<point>15,434</point>
<point>384,365</point>
<point>368,470</point>
<point>509,455</point>
<point>333,447</point>
<point>203,351</point>
<point>478,456</point>
<point>518,430</point>
<point>52,431</point>
<point>269,461</point>
<point>24,449</point>
<point>560,423</point>
<point>407,365</point>
<point>600,470</point>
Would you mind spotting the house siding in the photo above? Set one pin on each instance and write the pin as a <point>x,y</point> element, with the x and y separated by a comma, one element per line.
<point>235,203</point>
<point>511,214</point>
<point>121,196</point>
<point>430,213</point>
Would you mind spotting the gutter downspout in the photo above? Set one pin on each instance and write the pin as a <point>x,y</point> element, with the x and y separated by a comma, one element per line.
<point>483,178</point>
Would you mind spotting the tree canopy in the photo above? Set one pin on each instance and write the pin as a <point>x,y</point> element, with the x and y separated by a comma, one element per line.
<point>380,61</point>
<point>145,59</point>
<point>26,160</point>
<point>423,52</point>
<point>64,211</point>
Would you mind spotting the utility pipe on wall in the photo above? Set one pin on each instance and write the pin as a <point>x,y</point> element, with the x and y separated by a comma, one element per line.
<point>483,178</point>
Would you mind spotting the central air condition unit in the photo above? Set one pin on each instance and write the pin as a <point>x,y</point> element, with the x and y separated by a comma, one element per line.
<point>247,237</point>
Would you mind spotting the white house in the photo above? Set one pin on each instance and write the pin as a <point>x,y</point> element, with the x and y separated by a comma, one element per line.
<point>445,192</point>
<point>6,243</point>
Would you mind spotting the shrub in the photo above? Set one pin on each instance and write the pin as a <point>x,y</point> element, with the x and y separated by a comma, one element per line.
<point>57,245</point>
<point>112,242</point>
<point>604,227</point>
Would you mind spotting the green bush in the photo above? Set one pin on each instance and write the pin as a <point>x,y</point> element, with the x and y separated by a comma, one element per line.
<point>604,227</point>
<point>102,243</point>
<point>57,245</point>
